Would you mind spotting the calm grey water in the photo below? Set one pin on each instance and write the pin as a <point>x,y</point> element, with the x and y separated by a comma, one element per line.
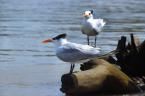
<point>30,68</point>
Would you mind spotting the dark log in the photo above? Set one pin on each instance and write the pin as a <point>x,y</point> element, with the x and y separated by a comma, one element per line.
<point>141,58</point>
<point>134,43</point>
<point>142,52</point>
<point>102,78</point>
<point>131,56</point>
<point>122,43</point>
<point>122,50</point>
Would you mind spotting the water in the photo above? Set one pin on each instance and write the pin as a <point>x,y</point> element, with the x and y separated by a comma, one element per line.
<point>30,68</point>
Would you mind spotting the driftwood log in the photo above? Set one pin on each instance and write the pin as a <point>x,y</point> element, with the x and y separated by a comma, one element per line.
<point>100,76</point>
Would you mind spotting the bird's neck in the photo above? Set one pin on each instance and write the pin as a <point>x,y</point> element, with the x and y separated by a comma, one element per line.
<point>91,17</point>
<point>63,41</point>
<point>60,42</point>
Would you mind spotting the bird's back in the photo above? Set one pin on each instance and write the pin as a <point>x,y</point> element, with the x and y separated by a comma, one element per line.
<point>73,52</point>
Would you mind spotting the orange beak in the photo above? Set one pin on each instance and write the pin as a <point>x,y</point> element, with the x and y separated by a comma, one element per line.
<point>47,40</point>
<point>85,15</point>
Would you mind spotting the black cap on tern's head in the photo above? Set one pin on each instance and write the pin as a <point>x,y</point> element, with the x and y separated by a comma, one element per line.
<point>59,36</point>
<point>91,11</point>
<point>55,38</point>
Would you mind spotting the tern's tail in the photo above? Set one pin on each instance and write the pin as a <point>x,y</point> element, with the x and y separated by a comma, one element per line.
<point>109,54</point>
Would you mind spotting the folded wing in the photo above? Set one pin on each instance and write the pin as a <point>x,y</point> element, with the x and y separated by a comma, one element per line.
<point>77,52</point>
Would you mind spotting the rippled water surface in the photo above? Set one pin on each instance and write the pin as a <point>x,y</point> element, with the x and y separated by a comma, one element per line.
<point>30,68</point>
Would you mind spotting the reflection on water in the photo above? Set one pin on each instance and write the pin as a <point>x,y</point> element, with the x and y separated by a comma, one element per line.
<point>29,68</point>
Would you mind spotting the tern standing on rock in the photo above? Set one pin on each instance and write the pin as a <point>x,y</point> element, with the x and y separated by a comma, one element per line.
<point>72,52</point>
<point>91,26</point>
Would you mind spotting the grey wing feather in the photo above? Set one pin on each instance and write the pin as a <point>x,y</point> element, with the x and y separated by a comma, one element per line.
<point>69,53</point>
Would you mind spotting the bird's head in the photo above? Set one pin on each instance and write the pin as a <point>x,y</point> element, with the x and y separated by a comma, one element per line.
<point>88,14</point>
<point>57,39</point>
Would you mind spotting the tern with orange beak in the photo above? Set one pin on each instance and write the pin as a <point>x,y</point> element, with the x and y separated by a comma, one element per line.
<point>91,26</point>
<point>72,52</point>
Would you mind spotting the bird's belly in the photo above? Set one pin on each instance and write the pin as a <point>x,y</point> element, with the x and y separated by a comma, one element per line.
<point>69,57</point>
<point>66,57</point>
<point>89,31</point>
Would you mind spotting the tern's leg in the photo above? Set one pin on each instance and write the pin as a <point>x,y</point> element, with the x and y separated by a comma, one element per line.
<point>95,40</point>
<point>72,68</point>
<point>88,39</point>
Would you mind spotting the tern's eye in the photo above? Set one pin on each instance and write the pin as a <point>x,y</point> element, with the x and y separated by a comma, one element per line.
<point>89,13</point>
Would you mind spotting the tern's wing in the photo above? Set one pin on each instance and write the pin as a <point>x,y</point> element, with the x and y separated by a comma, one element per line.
<point>73,52</point>
<point>98,24</point>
